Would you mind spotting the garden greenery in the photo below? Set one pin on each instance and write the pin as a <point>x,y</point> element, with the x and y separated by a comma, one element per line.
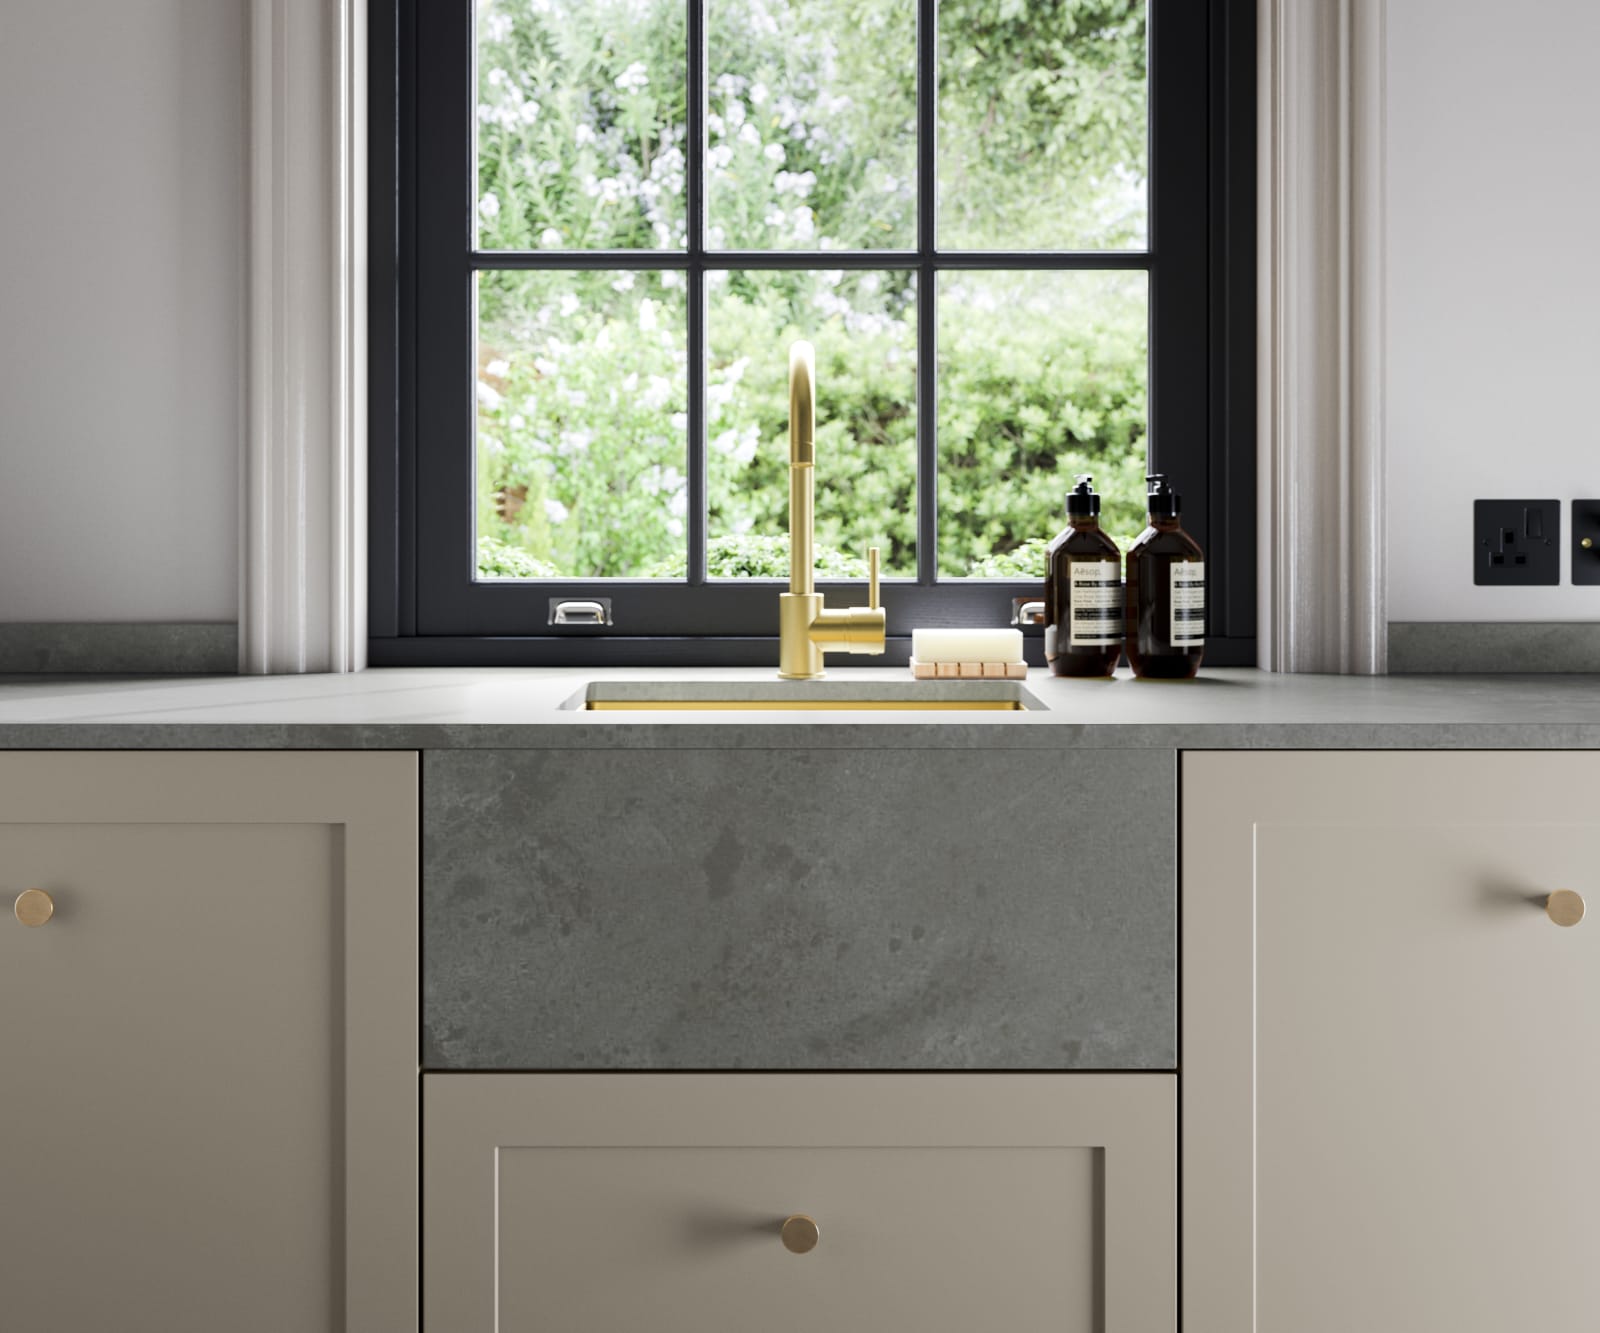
<point>582,375</point>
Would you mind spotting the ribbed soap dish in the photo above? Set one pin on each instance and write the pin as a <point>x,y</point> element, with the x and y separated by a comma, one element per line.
<point>969,670</point>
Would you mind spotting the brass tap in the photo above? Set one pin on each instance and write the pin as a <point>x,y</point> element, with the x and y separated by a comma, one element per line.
<point>806,628</point>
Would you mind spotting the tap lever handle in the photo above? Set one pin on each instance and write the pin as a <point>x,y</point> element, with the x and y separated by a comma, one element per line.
<point>872,578</point>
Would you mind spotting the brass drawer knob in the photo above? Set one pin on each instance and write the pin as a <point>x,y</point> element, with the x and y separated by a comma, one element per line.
<point>800,1234</point>
<point>1564,907</point>
<point>34,907</point>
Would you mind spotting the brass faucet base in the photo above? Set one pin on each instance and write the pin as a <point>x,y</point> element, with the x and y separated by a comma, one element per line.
<point>798,657</point>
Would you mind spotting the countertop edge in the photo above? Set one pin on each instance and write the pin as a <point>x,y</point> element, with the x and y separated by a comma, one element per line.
<point>767,734</point>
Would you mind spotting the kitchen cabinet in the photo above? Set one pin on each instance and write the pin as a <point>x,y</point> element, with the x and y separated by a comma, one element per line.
<point>209,1045</point>
<point>800,907</point>
<point>1036,1203</point>
<point>1390,1082</point>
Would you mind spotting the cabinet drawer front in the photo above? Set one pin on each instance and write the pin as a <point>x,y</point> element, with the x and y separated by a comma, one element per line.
<point>799,909</point>
<point>602,1202</point>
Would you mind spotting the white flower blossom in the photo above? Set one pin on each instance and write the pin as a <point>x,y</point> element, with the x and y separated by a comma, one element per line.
<point>805,226</point>
<point>798,183</point>
<point>734,113</point>
<point>569,305</point>
<point>635,77</point>
<point>758,94</point>
<point>496,369</point>
<point>624,283</point>
<point>657,394</point>
<point>647,316</point>
<point>497,27</point>
<point>549,238</point>
<point>518,421</point>
<point>583,134</point>
<point>680,422</point>
<point>497,78</point>
<point>715,125</point>
<point>545,366</point>
<point>774,152</point>
<point>489,205</point>
<point>719,157</point>
<point>555,511</point>
<point>529,112</point>
<point>488,396</point>
<point>748,134</point>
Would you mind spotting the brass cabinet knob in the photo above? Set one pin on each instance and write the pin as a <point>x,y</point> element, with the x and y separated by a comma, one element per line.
<point>1564,907</point>
<point>800,1234</point>
<point>34,907</point>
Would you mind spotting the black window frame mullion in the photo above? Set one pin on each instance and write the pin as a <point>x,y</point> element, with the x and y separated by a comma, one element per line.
<point>695,202</point>
<point>927,294</point>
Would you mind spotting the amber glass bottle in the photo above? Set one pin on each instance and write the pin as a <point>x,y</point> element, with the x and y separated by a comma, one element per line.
<point>1165,620</point>
<point>1083,592</point>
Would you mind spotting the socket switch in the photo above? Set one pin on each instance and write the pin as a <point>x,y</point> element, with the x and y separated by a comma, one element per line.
<point>1586,541</point>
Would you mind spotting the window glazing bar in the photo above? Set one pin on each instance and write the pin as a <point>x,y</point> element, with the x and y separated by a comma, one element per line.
<point>927,298</point>
<point>695,200</point>
<point>1026,260</point>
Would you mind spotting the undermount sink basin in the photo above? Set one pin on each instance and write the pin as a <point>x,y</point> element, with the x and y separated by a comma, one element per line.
<point>804,696</point>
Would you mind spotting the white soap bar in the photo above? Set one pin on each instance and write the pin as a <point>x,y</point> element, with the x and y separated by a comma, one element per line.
<point>966,645</point>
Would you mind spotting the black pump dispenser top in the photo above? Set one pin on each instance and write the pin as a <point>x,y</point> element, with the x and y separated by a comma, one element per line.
<point>1164,502</point>
<point>1082,502</point>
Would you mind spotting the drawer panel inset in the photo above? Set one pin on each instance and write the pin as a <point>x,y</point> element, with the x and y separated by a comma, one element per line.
<point>935,1202</point>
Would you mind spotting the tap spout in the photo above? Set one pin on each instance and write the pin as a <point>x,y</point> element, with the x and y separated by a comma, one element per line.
<point>802,472</point>
<point>806,628</point>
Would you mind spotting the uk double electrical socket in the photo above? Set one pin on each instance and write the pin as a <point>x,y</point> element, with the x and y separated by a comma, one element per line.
<point>1516,543</point>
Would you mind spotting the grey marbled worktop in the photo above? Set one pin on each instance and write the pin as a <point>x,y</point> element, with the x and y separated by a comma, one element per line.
<point>531,708</point>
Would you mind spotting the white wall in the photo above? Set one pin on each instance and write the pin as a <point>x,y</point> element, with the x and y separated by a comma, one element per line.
<point>1493,289</point>
<point>122,252</point>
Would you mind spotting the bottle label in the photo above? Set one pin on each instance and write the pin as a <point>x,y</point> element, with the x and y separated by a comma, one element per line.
<point>1188,602</point>
<point>1094,603</point>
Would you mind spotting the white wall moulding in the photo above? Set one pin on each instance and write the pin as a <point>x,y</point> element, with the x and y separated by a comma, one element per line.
<point>1321,329</point>
<point>303,569</point>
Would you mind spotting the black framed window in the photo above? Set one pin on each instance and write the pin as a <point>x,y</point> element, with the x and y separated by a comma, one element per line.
<point>596,226</point>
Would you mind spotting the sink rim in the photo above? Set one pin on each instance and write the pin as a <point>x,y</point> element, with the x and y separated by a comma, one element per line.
<point>757,696</point>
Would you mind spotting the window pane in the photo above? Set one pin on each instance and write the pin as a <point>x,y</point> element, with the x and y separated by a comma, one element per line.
<point>811,134</point>
<point>863,325</point>
<point>1042,125</point>
<point>581,124</point>
<point>582,424</point>
<point>1041,376</point>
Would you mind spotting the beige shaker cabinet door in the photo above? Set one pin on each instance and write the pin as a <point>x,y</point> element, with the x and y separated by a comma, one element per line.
<point>591,1203</point>
<point>1391,1061</point>
<point>208,1048</point>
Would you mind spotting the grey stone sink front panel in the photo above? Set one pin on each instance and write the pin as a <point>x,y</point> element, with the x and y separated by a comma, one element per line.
<point>799,909</point>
